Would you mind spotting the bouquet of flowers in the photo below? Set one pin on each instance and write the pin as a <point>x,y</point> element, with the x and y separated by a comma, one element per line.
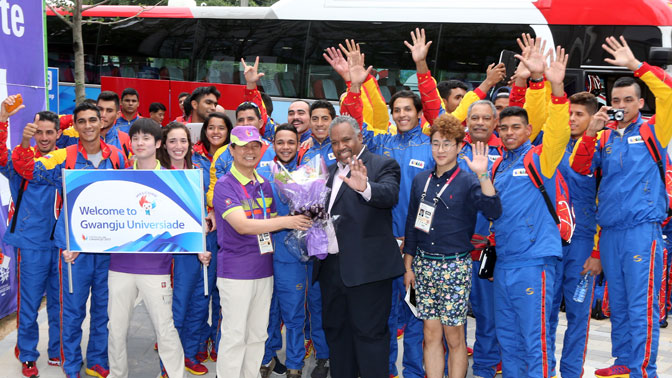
<point>306,191</point>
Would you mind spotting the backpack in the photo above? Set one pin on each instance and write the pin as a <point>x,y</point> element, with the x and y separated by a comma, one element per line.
<point>665,174</point>
<point>562,211</point>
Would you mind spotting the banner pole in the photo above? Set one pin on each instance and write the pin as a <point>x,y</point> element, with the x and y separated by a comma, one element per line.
<point>205,280</point>
<point>70,290</point>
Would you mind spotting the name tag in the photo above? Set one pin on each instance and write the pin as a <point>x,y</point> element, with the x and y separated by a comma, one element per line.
<point>331,156</point>
<point>493,158</point>
<point>264,163</point>
<point>417,163</point>
<point>265,244</point>
<point>635,139</point>
<point>423,220</point>
<point>519,172</point>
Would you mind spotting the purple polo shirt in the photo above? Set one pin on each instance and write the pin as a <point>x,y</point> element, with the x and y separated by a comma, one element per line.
<point>141,263</point>
<point>239,256</point>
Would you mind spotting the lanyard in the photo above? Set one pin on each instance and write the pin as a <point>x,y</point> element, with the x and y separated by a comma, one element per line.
<point>249,200</point>
<point>438,195</point>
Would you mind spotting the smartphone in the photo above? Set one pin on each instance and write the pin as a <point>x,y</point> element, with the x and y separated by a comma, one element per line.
<point>508,57</point>
<point>18,101</point>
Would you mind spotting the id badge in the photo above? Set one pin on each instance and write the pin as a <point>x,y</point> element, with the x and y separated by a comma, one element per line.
<point>265,244</point>
<point>423,220</point>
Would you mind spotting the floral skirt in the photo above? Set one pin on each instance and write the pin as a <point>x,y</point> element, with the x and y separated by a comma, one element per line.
<point>442,288</point>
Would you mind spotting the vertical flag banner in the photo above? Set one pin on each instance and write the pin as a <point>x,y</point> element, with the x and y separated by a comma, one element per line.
<point>22,61</point>
<point>125,211</point>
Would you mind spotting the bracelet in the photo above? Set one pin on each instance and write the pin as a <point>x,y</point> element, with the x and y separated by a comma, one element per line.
<point>539,80</point>
<point>484,176</point>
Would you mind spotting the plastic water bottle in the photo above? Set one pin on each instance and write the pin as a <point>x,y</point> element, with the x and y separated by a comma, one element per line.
<point>581,289</point>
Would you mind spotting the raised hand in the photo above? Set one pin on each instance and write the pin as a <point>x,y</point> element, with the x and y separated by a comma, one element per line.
<point>495,73</point>
<point>351,48</point>
<point>598,121</point>
<point>555,71</point>
<point>8,102</point>
<point>479,163</point>
<point>358,73</point>
<point>335,58</point>
<point>420,47</point>
<point>252,74</point>
<point>29,131</point>
<point>534,61</point>
<point>358,179</point>
<point>621,52</point>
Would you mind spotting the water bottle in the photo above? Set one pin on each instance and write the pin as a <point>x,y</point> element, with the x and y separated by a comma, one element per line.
<point>581,289</point>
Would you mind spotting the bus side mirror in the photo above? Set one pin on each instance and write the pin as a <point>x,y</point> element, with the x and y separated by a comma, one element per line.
<point>660,56</point>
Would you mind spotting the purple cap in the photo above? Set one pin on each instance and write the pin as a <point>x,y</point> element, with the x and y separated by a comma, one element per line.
<point>242,135</point>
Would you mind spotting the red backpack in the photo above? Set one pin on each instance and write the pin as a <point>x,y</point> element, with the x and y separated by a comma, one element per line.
<point>562,211</point>
<point>665,173</point>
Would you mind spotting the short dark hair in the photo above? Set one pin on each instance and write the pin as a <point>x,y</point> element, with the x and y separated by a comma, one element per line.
<point>129,92</point>
<point>85,106</point>
<point>204,128</point>
<point>162,153</point>
<point>182,94</point>
<point>268,103</point>
<point>247,105</point>
<point>108,96</point>
<point>446,86</point>
<point>156,106</point>
<point>48,116</point>
<point>514,111</point>
<point>187,106</point>
<point>91,101</point>
<point>146,126</point>
<point>323,104</point>
<point>586,99</point>
<point>627,81</point>
<point>200,92</point>
<point>417,102</point>
<point>287,127</point>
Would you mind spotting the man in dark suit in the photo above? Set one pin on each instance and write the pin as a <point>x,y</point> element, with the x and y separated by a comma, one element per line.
<point>356,283</point>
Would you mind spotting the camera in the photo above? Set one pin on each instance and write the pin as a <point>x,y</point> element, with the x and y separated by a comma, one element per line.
<point>616,114</point>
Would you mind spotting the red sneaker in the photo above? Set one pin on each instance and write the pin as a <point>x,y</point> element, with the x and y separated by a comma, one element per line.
<point>28,369</point>
<point>615,371</point>
<point>97,371</point>
<point>499,368</point>
<point>470,351</point>
<point>54,361</point>
<point>194,368</point>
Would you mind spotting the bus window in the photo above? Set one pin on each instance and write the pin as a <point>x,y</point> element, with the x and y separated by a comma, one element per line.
<point>381,42</point>
<point>466,50</point>
<point>147,48</point>
<point>279,45</point>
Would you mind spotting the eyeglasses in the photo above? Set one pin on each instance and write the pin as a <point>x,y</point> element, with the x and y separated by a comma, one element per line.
<point>445,145</point>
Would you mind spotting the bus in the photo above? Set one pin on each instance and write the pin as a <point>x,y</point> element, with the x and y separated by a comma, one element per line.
<point>206,44</point>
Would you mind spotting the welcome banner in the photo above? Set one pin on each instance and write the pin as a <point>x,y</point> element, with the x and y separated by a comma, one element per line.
<point>134,211</point>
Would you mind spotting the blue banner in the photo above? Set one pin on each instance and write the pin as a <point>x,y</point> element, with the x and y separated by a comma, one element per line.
<point>134,210</point>
<point>8,283</point>
<point>52,87</point>
<point>22,61</point>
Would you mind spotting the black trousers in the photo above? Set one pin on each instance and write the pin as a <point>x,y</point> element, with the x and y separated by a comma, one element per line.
<point>354,320</point>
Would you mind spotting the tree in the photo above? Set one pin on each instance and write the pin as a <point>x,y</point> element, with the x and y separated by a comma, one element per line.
<point>71,13</point>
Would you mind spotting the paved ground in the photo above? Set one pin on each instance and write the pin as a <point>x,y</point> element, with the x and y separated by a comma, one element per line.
<point>143,359</point>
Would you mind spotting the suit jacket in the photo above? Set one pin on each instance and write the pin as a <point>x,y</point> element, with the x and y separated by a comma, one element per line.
<point>368,250</point>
